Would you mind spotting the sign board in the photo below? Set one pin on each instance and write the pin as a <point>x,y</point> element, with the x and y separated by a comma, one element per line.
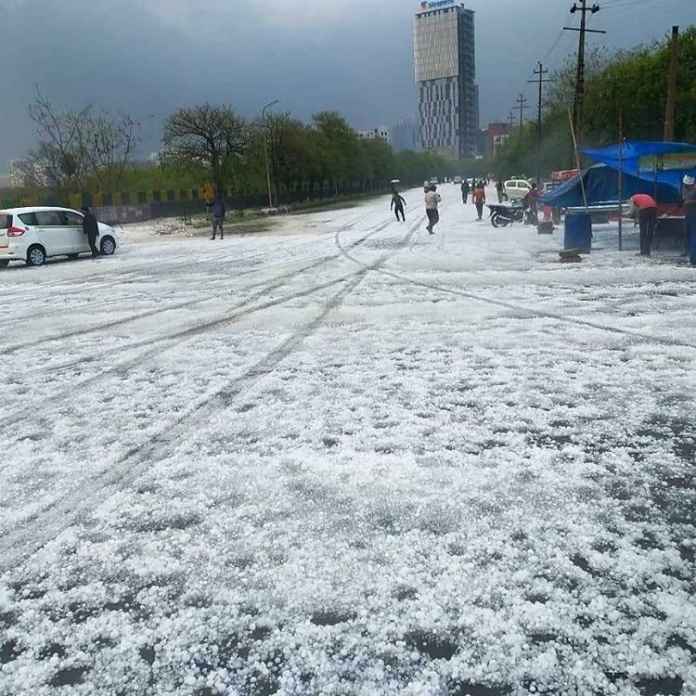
<point>437,4</point>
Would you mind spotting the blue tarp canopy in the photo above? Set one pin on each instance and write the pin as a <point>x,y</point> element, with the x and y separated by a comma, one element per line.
<point>665,162</point>
<point>602,186</point>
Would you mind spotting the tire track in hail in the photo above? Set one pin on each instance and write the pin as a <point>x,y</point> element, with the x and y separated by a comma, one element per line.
<point>142,273</point>
<point>120,300</point>
<point>174,339</point>
<point>519,309</point>
<point>178,262</point>
<point>9,350</point>
<point>20,543</point>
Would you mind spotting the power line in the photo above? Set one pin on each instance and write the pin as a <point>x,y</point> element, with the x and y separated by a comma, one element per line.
<point>617,4</point>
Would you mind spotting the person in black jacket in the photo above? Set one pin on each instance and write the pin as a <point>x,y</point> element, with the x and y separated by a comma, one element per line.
<point>90,227</point>
<point>218,212</point>
<point>397,205</point>
<point>466,189</point>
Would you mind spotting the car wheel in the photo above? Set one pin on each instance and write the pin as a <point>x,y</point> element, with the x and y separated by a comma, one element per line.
<point>36,256</point>
<point>108,246</point>
<point>4,263</point>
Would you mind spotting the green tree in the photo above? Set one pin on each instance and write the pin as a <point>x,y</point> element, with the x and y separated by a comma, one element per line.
<point>212,136</point>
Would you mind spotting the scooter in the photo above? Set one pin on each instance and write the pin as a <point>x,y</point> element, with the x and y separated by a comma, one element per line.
<point>503,214</point>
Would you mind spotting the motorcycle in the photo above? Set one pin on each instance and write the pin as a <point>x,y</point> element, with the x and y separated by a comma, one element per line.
<point>503,214</point>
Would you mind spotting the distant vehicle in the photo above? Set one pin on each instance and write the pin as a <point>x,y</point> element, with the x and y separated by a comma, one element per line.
<point>434,180</point>
<point>516,189</point>
<point>33,235</point>
<point>457,179</point>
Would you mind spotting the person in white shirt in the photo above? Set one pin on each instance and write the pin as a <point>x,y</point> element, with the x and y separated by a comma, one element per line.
<point>432,199</point>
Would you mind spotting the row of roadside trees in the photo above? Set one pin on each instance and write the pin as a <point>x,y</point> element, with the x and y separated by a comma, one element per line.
<point>94,151</point>
<point>631,83</point>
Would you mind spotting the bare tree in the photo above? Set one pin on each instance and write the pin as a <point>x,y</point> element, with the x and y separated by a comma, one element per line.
<point>76,146</point>
<point>107,145</point>
<point>212,136</point>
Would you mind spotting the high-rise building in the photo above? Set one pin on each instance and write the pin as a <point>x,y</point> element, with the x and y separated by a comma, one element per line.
<point>445,61</point>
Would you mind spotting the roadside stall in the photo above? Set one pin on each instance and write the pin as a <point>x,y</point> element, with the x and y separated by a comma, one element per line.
<point>640,167</point>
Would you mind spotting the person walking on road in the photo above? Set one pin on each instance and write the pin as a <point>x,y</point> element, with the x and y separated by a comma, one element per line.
<point>397,205</point>
<point>466,189</point>
<point>531,201</point>
<point>645,211</point>
<point>689,199</point>
<point>90,227</point>
<point>218,211</point>
<point>479,198</point>
<point>432,200</point>
<point>500,190</point>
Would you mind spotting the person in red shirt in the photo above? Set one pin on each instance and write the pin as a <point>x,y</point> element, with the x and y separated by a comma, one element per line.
<point>531,200</point>
<point>645,210</point>
<point>479,198</point>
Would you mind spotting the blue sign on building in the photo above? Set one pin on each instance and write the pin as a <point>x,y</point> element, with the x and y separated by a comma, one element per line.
<point>437,4</point>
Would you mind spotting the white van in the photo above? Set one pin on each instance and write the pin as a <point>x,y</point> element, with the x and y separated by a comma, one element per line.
<point>33,235</point>
<point>517,189</point>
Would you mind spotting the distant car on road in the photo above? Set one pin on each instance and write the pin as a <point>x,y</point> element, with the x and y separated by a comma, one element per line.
<point>33,235</point>
<point>517,189</point>
<point>435,181</point>
<point>457,180</point>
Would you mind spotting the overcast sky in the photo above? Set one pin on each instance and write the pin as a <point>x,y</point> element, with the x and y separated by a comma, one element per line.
<point>147,57</point>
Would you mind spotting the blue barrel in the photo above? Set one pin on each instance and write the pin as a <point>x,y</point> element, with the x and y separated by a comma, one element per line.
<point>578,232</point>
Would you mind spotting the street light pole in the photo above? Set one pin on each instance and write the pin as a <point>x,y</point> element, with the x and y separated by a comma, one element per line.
<point>265,152</point>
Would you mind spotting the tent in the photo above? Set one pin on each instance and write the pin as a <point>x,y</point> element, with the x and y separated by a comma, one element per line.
<point>602,186</point>
<point>666,163</point>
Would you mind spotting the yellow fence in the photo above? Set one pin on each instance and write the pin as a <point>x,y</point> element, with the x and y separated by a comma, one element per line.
<point>100,199</point>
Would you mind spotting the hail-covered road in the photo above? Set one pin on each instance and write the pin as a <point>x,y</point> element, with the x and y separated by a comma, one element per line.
<point>345,457</point>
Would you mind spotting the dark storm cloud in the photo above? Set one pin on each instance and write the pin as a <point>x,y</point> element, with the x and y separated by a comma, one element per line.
<point>146,58</point>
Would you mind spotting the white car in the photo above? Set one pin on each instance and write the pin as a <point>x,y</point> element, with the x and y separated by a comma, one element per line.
<point>34,234</point>
<point>517,189</point>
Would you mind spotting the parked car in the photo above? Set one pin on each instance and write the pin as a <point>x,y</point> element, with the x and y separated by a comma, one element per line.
<point>517,189</point>
<point>33,235</point>
<point>435,181</point>
<point>457,180</point>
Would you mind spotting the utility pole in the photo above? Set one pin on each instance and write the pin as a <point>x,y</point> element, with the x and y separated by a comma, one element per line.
<point>621,184</point>
<point>522,106</point>
<point>511,119</point>
<point>672,86</point>
<point>583,9</point>
<point>265,150</point>
<point>540,72</point>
